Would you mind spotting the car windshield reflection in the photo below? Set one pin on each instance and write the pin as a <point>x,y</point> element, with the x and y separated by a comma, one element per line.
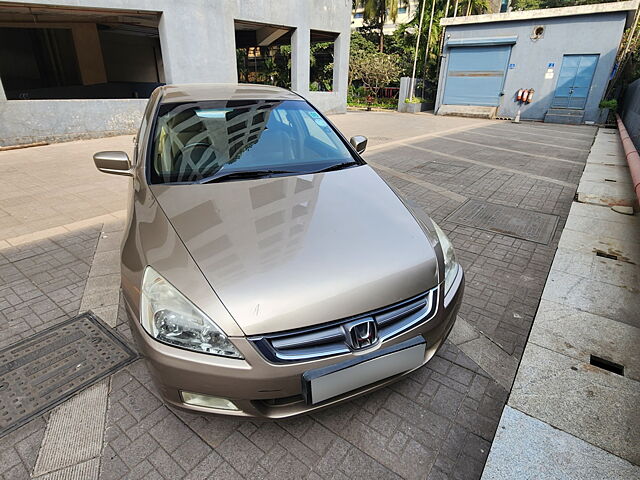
<point>203,141</point>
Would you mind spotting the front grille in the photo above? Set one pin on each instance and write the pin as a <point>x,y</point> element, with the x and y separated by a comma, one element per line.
<point>330,339</point>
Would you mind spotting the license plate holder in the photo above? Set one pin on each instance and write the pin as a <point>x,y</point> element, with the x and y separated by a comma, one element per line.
<point>328,382</point>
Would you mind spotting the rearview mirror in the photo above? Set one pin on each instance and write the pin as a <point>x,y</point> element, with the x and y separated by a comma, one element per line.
<point>116,163</point>
<point>359,142</point>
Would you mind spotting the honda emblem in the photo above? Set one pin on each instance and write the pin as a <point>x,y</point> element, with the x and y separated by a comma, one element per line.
<point>361,333</point>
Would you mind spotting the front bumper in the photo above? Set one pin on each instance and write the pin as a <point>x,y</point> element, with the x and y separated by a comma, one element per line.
<point>262,389</point>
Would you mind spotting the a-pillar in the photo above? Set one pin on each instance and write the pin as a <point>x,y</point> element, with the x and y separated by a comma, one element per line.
<point>300,45</point>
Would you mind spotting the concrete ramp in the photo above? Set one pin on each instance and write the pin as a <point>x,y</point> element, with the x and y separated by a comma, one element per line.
<point>606,179</point>
<point>473,111</point>
<point>572,413</point>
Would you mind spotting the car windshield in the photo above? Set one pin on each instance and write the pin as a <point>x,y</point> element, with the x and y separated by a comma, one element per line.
<point>213,141</point>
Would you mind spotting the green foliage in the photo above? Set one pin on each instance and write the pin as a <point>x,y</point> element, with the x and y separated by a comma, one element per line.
<point>321,62</point>
<point>359,43</point>
<point>628,60</point>
<point>536,4</point>
<point>360,47</point>
<point>414,100</point>
<point>402,42</point>
<point>375,70</point>
<point>267,65</point>
<point>377,12</point>
<point>612,105</point>
<point>357,97</point>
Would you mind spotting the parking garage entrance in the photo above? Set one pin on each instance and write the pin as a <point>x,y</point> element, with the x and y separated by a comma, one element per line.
<point>73,53</point>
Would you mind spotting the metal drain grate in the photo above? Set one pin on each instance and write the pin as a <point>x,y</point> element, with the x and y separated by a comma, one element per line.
<point>47,368</point>
<point>511,221</point>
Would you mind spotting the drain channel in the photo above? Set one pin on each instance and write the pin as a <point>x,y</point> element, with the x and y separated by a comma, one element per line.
<point>600,253</point>
<point>607,365</point>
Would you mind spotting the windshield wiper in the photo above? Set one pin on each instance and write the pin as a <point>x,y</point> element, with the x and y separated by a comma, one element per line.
<point>241,174</point>
<point>337,166</point>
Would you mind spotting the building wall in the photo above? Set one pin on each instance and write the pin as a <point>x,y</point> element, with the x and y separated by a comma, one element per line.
<point>197,39</point>
<point>28,121</point>
<point>631,112</point>
<point>584,34</point>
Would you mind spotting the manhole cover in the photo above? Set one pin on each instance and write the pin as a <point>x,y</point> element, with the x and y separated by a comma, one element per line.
<point>45,369</point>
<point>511,221</point>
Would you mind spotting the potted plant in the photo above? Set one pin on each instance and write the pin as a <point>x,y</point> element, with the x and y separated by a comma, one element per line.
<point>413,105</point>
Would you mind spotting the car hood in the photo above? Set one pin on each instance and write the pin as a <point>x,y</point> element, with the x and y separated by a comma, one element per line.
<point>288,252</point>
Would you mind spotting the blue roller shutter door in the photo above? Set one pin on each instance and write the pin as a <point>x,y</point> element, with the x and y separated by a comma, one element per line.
<point>475,75</point>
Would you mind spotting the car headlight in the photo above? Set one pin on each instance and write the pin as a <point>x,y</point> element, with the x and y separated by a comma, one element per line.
<point>450,264</point>
<point>169,317</point>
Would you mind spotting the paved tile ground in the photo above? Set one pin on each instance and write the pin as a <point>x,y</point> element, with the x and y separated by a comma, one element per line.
<point>437,423</point>
<point>53,185</point>
<point>41,284</point>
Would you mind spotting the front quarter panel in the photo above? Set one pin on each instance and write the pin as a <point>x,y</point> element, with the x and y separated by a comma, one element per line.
<point>151,240</point>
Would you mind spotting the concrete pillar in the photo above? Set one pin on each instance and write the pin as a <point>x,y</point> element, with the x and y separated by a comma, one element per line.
<point>3,96</point>
<point>197,48</point>
<point>89,53</point>
<point>341,64</point>
<point>300,44</point>
<point>405,83</point>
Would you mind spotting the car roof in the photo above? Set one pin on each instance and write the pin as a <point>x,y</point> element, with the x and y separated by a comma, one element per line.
<point>194,92</point>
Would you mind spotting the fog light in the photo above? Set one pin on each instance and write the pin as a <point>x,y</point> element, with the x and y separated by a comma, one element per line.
<point>200,400</point>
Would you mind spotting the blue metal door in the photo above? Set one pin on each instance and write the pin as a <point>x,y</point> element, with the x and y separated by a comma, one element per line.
<point>475,75</point>
<point>574,81</point>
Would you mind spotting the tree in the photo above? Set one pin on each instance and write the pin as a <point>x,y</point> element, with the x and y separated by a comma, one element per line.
<point>378,12</point>
<point>375,70</point>
<point>360,47</point>
<point>321,63</point>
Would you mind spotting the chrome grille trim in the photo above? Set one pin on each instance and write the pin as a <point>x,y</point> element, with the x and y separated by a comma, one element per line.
<point>329,339</point>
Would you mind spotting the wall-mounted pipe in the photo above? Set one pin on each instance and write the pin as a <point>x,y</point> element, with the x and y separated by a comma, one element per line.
<point>631,154</point>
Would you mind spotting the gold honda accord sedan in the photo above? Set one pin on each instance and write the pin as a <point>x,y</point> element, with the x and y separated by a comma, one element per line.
<point>267,270</point>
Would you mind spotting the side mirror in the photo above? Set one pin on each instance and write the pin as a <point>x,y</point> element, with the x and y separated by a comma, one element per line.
<point>359,142</point>
<point>116,163</point>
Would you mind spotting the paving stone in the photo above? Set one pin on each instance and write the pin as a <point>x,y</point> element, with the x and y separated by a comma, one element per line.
<point>165,465</point>
<point>204,469</point>
<point>578,334</point>
<point>240,452</point>
<point>170,432</point>
<point>590,403</point>
<point>357,465</point>
<point>191,453</point>
<point>530,449</point>
<point>591,295</point>
<point>74,431</point>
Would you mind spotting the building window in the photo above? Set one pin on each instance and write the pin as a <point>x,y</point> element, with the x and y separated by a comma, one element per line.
<point>323,45</point>
<point>73,56</point>
<point>359,15</point>
<point>263,53</point>
<point>402,10</point>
